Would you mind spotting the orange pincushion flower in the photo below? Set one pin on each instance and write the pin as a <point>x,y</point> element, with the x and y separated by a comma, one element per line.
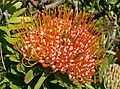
<point>66,43</point>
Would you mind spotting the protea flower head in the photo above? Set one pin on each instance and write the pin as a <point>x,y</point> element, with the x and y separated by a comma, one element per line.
<point>63,41</point>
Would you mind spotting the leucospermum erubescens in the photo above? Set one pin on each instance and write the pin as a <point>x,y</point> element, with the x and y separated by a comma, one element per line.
<point>64,42</point>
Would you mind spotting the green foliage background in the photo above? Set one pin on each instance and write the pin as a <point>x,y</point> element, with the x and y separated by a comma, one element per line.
<point>14,75</point>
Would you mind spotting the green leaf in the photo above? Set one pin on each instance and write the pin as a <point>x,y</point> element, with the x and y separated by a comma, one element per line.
<point>42,78</point>
<point>21,68</point>
<point>14,58</point>
<point>19,12</point>
<point>18,5</point>
<point>5,29</point>
<point>14,7</point>
<point>8,4</point>
<point>13,72</point>
<point>29,76</point>
<point>13,86</point>
<point>4,80</point>
<point>113,1</point>
<point>3,86</point>
<point>10,49</point>
<point>111,52</point>
<point>62,84</point>
<point>54,81</point>
<point>80,86</point>
<point>111,59</point>
<point>89,86</point>
<point>19,19</point>
<point>29,87</point>
<point>118,5</point>
<point>11,40</point>
<point>14,26</point>
<point>40,82</point>
<point>17,26</point>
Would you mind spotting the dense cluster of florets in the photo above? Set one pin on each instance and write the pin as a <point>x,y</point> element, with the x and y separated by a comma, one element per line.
<point>112,77</point>
<point>63,44</point>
